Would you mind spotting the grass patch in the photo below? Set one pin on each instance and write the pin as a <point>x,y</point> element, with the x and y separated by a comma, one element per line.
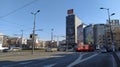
<point>40,50</point>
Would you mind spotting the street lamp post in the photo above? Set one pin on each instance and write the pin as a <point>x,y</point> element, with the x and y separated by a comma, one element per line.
<point>51,37</point>
<point>21,38</point>
<point>52,34</point>
<point>33,35</point>
<point>57,36</point>
<point>109,20</point>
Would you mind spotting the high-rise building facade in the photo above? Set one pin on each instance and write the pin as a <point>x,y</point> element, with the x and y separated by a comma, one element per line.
<point>72,22</point>
<point>99,35</point>
<point>112,34</point>
<point>89,34</point>
<point>80,33</point>
<point>116,36</point>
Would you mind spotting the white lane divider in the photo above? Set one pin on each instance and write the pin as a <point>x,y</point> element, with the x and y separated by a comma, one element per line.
<point>79,59</point>
<point>76,61</point>
<point>89,57</point>
<point>26,62</point>
<point>50,65</point>
<point>12,65</point>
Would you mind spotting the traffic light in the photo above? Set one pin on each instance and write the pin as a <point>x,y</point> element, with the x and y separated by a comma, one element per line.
<point>30,35</point>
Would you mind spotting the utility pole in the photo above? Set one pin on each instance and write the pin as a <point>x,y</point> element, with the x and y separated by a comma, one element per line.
<point>21,38</point>
<point>109,21</point>
<point>52,34</point>
<point>57,41</point>
<point>51,37</point>
<point>33,35</point>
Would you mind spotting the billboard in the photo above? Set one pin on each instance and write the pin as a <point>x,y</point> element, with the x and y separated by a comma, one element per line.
<point>70,11</point>
<point>80,33</point>
<point>89,37</point>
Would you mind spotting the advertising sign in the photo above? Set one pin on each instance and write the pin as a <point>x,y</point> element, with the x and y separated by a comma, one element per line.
<point>80,33</point>
<point>70,11</point>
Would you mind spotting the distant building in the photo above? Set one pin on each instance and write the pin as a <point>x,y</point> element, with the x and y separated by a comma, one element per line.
<point>113,22</point>
<point>72,22</point>
<point>3,41</point>
<point>14,41</point>
<point>89,34</point>
<point>116,35</point>
<point>99,34</point>
<point>41,44</point>
<point>29,43</point>
<point>80,33</point>
<point>37,41</point>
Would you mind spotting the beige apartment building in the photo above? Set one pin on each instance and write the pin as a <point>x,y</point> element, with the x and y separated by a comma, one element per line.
<point>115,28</point>
<point>116,36</point>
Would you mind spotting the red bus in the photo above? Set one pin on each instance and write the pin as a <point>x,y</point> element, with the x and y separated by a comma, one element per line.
<point>84,47</point>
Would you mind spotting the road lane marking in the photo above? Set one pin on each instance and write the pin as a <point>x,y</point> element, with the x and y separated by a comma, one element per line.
<point>26,62</point>
<point>88,57</point>
<point>11,65</point>
<point>79,60</point>
<point>50,65</point>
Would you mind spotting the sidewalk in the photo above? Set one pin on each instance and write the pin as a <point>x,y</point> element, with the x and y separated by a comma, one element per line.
<point>118,54</point>
<point>117,58</point>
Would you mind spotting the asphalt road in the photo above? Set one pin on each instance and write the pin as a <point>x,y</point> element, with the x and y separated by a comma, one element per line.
<point>100,60</point>
<point>71,59</point>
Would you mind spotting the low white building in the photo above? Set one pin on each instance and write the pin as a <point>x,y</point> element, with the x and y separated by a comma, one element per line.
<point>2,37</point>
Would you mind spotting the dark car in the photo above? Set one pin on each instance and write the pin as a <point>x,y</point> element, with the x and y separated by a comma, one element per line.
<point>51,49</point>
<point>6,50</point>
<point>62,48</point>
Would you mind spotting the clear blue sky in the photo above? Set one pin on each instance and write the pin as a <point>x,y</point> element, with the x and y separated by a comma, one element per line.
<point>52,14</point>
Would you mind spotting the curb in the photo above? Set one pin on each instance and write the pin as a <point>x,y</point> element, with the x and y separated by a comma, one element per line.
<point>116,58</point>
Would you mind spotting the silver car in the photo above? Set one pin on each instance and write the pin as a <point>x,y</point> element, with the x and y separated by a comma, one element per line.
<point>103,50</point>
<point>51,49</point>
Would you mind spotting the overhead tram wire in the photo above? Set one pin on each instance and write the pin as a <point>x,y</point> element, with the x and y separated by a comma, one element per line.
<point>11,22</point>
<point>18,9</point>
<point>1,17</point>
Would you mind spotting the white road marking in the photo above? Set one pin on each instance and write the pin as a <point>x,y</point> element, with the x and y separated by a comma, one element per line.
<point>76,61</point>
<point>26,62</point>
<point>89,57</point>
<point>56,56</point>
<point>50,65</point>
<point>11,65</point>
<point>79,60</point>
